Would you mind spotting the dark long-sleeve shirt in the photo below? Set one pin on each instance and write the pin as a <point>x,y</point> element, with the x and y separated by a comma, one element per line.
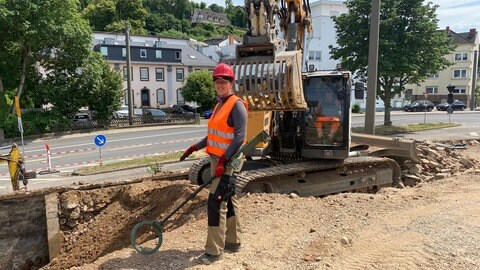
<point>238,120</point>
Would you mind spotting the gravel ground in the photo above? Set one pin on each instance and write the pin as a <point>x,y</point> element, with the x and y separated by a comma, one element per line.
<point>433,225</point>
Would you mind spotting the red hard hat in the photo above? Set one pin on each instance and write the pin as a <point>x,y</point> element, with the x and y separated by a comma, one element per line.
<point>223,70</point>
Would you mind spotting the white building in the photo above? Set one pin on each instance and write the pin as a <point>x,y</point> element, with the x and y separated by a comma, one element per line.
<point>159,66</point>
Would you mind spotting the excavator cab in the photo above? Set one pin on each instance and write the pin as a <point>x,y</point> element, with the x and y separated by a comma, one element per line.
<point>326,125</point>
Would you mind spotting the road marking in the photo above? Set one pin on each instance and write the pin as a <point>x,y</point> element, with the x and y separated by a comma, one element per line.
<point>474,134</point>
<point>119,140</point>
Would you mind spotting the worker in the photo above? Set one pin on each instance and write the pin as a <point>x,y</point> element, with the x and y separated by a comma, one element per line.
<point>226,134</point>
<point>328,113</point>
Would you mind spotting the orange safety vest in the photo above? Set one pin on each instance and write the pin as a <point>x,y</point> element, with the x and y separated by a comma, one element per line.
<point>220,134</point>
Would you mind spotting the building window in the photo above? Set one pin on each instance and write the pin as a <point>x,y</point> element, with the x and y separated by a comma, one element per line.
<point>125,97</point>
<point>179,74</point>
<point>460,90</point>
<point>104,51</point>
<point>159,74</point>
<point>116,67</point>
<point>180,99</point>
<point>161,97</point>
<point>431,89</point>
<point>125,73</point>
<point>144,74</point>
<point>177,55</point>
<point>124,52</point>
<point>143,53</point>
<point>459,73</point>
<point>461,57</point>
<point>158,54</point>
<point>314,55</point>
<point>432,76</point>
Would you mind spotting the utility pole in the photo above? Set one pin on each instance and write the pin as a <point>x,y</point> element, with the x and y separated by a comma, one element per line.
<point>372,68</point>
<point>474,80</point>
<point>129,76</point>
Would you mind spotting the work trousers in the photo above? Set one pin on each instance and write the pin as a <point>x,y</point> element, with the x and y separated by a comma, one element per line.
<point>223,220</point>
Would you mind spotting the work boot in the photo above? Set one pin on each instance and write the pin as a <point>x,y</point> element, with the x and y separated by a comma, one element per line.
<point>233,247</point>
<point>209,259</point>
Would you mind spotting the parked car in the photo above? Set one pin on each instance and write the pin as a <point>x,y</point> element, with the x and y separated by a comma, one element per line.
<point>154,116</point>
<point>456,105</point>
<point>82,117</point>
<point>419,106</point>
<point>187,108</point>
<point>180,109</point>
<point>207,114</point>
<point>121,113</point>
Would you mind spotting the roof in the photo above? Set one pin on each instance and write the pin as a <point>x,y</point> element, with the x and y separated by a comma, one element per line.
<point>463,38</point>
<point>192,57</point>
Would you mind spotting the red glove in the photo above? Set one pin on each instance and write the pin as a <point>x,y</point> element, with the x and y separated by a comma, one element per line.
<point>221,166</point>
<point>188,152</point>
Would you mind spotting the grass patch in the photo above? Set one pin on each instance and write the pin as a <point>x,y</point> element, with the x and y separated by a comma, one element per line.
<point>150,161</point>
<point>384,130</point>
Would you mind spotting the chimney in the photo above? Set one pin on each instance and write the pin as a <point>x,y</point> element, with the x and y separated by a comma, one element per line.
<point>231,40</point>
<point>447,30</point>
<point>473,31</point>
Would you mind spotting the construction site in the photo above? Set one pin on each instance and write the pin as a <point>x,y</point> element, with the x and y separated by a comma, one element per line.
<point>429,222</point>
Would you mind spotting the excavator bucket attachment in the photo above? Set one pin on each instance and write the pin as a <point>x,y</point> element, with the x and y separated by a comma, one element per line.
<point>271,83</point>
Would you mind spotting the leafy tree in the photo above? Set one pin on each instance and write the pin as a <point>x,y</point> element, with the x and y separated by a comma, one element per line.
<point>199,87</point>
<point>103,86</point>
<point>112,15</point>
<point>216,8</point>
<point>410,47</point>
<point>35,32</point>
<point>237,16</point>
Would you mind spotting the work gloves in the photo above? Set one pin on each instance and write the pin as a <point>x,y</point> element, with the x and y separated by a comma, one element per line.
<point>188,152</point>
<point>220,170</point>
<point>225,189</point>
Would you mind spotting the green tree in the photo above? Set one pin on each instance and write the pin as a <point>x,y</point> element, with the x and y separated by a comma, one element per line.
<point>43,33</point>
<point>112,15</point>
<point>410,47</point>
<point>216,8</point>
<point>199,87</point>
<point>237,16</point>
<point>103,87</point>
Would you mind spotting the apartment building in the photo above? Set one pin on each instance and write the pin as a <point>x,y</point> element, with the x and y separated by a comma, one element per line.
<point>462,74</point>
<point>159,66</point>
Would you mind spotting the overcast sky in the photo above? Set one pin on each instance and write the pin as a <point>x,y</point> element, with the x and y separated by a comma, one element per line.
<point>460,15</point>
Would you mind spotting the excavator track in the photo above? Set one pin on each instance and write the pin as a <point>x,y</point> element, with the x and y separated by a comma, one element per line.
<point>317,178</point>
<point>313,177</point>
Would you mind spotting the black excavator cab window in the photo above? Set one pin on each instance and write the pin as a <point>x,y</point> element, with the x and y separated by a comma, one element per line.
<point>324,118</point>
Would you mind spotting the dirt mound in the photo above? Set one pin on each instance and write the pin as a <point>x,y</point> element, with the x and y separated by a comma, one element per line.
<point>97,222</point>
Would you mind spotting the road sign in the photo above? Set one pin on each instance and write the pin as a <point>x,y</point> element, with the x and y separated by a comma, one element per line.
<point>100,140</point>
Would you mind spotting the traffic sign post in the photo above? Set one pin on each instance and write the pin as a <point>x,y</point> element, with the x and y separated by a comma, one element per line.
<point>100,140</point>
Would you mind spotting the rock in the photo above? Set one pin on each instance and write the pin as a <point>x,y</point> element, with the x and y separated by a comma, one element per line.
<point>467,163</point>
<point>293,195</point>
<point>69,205</point>
<point>441,175</point>
<point>75,213</point>
<point>415,169</point>
<point>312,230</point>
<point>344,240</point>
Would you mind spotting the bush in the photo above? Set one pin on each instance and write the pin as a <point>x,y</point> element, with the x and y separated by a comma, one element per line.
<point>356,108</point>
<point>35,122</point>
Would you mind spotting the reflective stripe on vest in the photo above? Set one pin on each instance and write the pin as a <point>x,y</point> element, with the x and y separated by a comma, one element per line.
<point>220,134</point>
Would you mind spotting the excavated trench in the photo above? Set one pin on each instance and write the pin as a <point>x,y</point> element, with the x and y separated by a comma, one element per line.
<point>98,221</point>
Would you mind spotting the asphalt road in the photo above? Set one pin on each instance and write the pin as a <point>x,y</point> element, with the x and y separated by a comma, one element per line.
<point>73,151</point>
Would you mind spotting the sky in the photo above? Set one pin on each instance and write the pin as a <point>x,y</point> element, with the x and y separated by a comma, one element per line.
<point>460,15</point>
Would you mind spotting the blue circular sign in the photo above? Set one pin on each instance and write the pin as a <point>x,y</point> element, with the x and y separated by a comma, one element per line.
<point>100,140</point>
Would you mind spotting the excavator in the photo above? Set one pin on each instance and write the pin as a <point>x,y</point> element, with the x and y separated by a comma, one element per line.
<point>304,150</point>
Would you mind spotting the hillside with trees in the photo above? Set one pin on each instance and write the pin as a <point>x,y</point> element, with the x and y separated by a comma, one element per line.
<point>166,18</point>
